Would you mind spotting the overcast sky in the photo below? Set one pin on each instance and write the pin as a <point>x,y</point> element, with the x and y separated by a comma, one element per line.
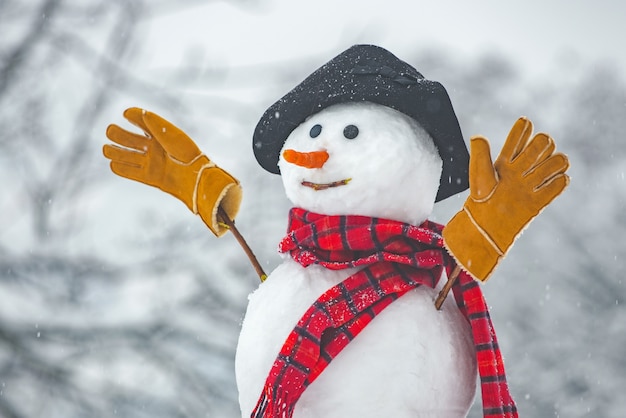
<point>540,34</point>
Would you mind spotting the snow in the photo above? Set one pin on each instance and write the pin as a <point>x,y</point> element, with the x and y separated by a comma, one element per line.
<point>122,269</point>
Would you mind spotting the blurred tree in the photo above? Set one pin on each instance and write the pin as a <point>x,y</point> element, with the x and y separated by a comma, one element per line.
<point>79,334</point>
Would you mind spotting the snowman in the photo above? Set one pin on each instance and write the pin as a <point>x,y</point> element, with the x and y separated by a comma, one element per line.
<point>347,326</point>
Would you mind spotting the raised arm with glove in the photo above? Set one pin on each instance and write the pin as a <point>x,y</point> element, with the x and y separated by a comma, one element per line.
<point>504,196</point>
<point>165,157</point>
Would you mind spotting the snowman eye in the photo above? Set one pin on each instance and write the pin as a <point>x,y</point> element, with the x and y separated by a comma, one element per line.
<point>315,131</point>
<point>350,131</point>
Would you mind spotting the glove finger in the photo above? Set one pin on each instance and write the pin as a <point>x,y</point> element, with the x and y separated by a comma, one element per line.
<point>130,172</point>
<point>175,142</point>
<point>550,189</point>
<point>515,141</point>
<point>127,139</point>
<point>482,177</point>
<point>555,165</point>
<point>124,156</point>
<point>135,116</point>
<point>539,149</point>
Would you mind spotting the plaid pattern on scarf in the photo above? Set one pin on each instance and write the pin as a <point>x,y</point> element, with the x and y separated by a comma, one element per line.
<point>396,257</point>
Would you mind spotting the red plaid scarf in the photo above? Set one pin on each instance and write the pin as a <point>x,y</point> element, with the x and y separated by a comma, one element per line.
<point>396,257</point>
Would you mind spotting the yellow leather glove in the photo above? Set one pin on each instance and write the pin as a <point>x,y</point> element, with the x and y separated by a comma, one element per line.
<point>504,197</point>
<point>168,159</point>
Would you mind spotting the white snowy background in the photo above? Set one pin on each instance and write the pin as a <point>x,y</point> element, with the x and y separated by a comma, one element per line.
<point>116,301</point>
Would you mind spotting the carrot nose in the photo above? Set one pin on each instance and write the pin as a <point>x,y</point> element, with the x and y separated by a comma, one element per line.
<point>313,159</point>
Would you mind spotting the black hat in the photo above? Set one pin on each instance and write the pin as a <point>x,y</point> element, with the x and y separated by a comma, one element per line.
<point>371,74</point>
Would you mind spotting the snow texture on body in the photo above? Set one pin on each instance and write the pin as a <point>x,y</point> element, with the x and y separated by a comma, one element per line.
<point>412,360</point>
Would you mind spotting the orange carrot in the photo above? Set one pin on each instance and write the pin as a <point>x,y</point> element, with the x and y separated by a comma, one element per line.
<point>314,159</point>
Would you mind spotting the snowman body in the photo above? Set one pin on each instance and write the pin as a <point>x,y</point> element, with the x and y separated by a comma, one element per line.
<point>411,360</point>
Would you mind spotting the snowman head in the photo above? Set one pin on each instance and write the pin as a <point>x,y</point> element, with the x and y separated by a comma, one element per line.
<point>361,158</point>
<point>368,73</point>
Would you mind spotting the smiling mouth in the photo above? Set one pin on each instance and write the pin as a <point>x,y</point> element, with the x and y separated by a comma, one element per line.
<point>324,186</point>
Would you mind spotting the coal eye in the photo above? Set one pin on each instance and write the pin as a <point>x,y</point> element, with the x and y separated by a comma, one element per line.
<point>315,131</point>
<point>350,131</point>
